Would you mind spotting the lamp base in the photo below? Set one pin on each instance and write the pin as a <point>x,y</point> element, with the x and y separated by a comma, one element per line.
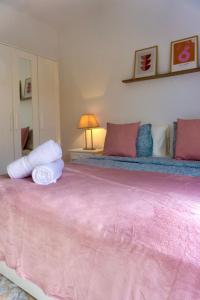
<point>89,148</point>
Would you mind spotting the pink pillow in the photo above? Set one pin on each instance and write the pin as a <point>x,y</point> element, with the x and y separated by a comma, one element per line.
<point>121,139</point>
<point>24,136</point>
<point>188,139</point>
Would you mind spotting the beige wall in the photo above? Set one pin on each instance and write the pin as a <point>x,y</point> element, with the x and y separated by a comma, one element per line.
<point>97,53</point>
<point>24,32</point>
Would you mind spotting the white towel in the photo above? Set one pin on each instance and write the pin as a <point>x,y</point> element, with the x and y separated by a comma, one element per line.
<point>43,154</point>
<point>49,173</point>
<point>20,168</point>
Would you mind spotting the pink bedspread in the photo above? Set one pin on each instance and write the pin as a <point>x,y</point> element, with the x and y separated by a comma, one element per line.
<point>102,234</point>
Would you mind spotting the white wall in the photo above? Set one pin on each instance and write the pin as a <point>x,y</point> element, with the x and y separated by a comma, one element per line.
<point>97,53</point>
<point>22,31</point>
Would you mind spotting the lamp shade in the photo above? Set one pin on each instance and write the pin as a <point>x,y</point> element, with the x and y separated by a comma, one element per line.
<point>88,121</point>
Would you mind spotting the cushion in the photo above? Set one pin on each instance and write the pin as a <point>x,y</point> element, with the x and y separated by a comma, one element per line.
<point>121,139</point>
<point>144,143</point>
<point>174,138</point>
<point>29,144</point>
<point>24,136</point>
<point>159,135</point>
<point>188,139</point>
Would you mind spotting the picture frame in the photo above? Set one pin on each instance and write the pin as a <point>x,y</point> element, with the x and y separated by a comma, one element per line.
<point>146,61</point>
<point>20,90</point>
<point>27,89</point>
<point>184,54</point>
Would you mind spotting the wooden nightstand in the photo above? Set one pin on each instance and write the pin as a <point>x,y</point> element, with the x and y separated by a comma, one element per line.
<point>81,153</point>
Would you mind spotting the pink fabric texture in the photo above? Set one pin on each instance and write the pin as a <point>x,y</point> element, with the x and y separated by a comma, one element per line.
<point>24,136</point>
<point>121,139</point>
<point>188,139</point>
<point>103,234</point>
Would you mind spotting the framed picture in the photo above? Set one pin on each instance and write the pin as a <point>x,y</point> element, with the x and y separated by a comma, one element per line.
<point>27,89</point>
<point>20,90</point>
<point>184,54</point>
<point>146,62</point>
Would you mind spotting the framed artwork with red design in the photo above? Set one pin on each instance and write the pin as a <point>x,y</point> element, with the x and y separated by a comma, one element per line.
<point>184,54</point>
<point>146,62</point>
<point>27,89</point>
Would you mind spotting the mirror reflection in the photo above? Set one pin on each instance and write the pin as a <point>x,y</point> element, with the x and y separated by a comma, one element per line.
<point>25,107</point>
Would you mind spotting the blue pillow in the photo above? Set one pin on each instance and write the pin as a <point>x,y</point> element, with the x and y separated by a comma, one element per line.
<point>144,143</point>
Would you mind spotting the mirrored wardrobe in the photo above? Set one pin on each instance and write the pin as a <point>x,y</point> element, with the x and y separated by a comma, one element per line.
<point>25,105</point>
<point>26,116</point>
<point>29,98</point>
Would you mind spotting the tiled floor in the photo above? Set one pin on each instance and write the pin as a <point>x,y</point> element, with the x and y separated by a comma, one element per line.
<point>9,291</point>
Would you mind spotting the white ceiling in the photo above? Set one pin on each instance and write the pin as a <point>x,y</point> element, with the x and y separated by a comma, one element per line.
<point>58,13</point>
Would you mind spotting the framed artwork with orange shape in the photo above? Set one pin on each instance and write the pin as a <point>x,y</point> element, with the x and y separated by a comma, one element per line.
<point>146,62</point>
<point>184,54</point>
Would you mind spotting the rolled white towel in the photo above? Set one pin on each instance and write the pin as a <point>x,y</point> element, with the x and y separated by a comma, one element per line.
<point>45,153</point>
<point>49,173</point>
<point>20,168</point>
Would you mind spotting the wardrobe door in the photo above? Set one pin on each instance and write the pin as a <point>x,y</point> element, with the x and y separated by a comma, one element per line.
<point>26,120</point>
<point>48,93</point>
<point>6,112</point>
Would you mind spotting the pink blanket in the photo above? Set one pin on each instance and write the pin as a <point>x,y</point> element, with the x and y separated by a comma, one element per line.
<point>102,234</point>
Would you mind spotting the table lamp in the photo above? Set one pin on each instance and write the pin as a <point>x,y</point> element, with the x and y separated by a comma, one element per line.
<point>88,122</point>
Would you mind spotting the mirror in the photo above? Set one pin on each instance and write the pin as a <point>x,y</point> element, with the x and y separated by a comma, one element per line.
<point>25,106</point>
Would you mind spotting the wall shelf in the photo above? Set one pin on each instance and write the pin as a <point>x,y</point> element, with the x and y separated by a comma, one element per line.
<point>162,75</point>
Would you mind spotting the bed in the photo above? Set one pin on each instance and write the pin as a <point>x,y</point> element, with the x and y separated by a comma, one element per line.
<point>112,228</point>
